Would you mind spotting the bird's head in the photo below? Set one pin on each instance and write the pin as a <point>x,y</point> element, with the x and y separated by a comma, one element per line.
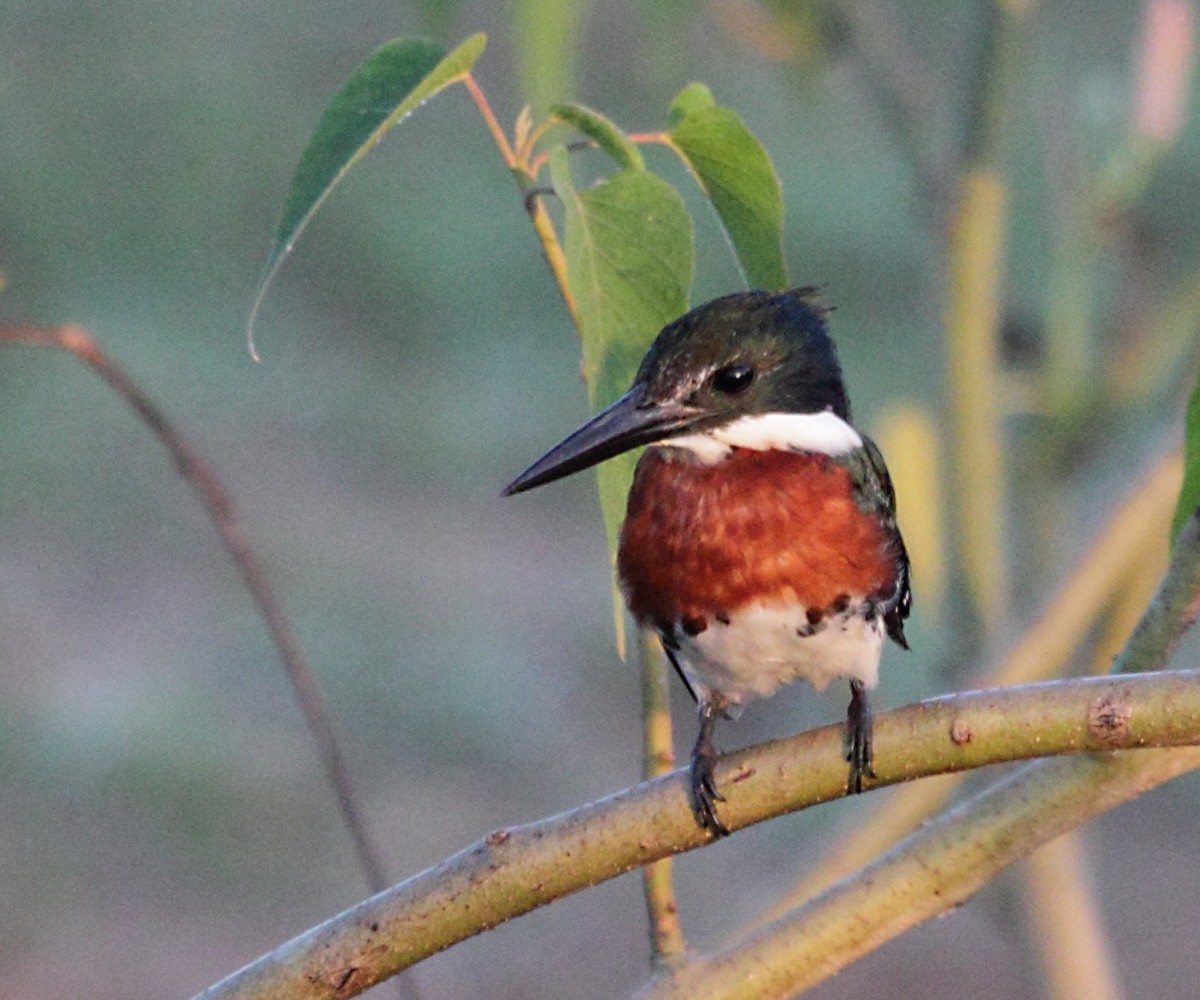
<point>755,369</point>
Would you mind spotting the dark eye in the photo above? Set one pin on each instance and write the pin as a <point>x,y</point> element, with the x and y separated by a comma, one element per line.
<point>733,379</point>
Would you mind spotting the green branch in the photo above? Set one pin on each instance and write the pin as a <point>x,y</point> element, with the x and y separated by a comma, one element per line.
<point>939,867</point>
<point>514,871</point>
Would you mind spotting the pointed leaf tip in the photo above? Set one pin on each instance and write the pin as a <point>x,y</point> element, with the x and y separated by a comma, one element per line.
<point>384,88</point>
<point>736,173</point>
<point>693,99</point>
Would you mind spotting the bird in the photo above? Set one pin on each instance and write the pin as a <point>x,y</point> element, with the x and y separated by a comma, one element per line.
<point>760,539</point>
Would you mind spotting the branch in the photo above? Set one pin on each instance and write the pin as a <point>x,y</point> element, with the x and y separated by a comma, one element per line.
<point>948,860</point>
<point>516,870</point>
<point>1043,650</point>
<point>975,251</point>
<point>197,474</point>
<point>933,871</point>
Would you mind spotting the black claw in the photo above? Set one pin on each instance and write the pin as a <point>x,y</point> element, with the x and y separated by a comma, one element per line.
<point>861,752</point>
<point>704,784</point>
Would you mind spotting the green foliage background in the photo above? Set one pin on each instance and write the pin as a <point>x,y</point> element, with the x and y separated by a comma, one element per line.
<point>160,807</point>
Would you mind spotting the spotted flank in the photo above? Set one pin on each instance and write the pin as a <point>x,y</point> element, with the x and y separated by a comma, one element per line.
<point>750,653</point>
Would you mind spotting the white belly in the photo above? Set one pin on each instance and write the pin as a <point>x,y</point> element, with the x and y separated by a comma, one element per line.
<point>763,647</point>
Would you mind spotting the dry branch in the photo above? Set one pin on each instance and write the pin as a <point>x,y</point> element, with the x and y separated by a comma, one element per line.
<point>217,501</point>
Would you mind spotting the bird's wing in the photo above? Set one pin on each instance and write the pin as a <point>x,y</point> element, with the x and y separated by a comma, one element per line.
<point>876,495</point>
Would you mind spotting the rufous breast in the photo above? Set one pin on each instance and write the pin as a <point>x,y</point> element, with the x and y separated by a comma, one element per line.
<point>702,541</point>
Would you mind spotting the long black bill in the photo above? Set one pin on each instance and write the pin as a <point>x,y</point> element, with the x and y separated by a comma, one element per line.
<point>629,422</point>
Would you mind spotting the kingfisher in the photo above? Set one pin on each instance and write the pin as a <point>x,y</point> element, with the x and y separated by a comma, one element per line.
<point>760,541</point>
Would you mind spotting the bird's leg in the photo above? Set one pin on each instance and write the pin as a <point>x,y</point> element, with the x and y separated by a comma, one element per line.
<point>704,759</point>
<point>860,752</point>
<point>669,649</point>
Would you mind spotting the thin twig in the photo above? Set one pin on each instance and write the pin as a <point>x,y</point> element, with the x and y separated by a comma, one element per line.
<point>515,870</point>
<point>493,124</point>
<point>220,507</point>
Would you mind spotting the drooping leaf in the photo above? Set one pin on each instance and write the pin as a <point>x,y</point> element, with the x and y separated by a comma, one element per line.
<point>735,172</point>
<point>386,87</point>
<point>603,132</point>
<point>1189,494</point>
<point>630,259</point>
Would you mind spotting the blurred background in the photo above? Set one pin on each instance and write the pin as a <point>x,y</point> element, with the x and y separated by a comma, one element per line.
<point>163,816</point>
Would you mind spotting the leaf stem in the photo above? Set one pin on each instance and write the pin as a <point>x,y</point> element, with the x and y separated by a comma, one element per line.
<point>523,175</point>
<point>556,259</point>
<point>651,138</point>
<point>667,945</point>
<point>493,125</point>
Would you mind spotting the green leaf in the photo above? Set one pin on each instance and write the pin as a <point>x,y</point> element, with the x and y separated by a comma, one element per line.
<point>735,172</point>
<point>692,100</point>
<point>386,87</point>
<point>630,260</point>
<point>1189,494</point>
<point>602,132</point>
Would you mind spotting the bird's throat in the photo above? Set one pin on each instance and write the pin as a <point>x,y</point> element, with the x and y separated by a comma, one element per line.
<point>823,433</point>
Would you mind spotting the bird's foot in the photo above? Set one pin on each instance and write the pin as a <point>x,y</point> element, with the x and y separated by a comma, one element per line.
<point>860,751</point>
<point>703,779</point>
<point>704,791</point>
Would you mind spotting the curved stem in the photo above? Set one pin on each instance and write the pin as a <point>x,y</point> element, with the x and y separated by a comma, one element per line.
<point>939,867</point>
<point>651,138</point>
<point>221,511</point>
<point>946,861</point>
<point>516,870</point>
<point>525,175</point>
